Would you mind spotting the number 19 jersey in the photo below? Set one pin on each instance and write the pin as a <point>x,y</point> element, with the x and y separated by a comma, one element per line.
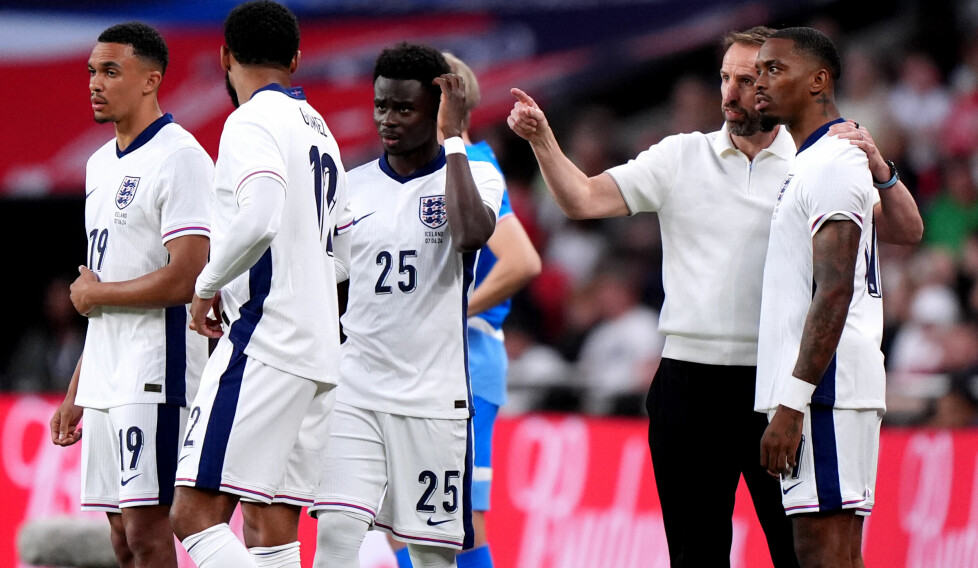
<point>283,310</point>
<point>137,200</point>
<point>406,349</point>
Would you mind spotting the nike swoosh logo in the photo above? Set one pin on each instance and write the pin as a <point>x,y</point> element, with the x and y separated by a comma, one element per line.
<point>355,221</point>
<point>785,491</point>
<point>87,193</point>
<point>126,481</point>
<point>183,458</point>
<point>436,523</point>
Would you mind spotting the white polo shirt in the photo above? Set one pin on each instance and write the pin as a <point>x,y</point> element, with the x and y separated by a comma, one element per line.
<point>714,210</point>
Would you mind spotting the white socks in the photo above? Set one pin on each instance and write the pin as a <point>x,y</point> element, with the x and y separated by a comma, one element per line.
<point>282,556</point>
<point>423,556</point>
<point>338,540</point>
<point>217,547</point>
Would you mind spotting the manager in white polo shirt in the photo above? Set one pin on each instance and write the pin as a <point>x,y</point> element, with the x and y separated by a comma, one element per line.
<point>714,194</point>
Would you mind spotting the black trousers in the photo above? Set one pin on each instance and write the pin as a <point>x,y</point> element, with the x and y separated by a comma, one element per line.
<point>703,435</point>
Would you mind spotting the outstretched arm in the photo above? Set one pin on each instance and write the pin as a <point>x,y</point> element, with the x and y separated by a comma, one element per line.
<point>834,252</point>
<point>577,195</point>
<point>896,215</point>
<point>517,262</point>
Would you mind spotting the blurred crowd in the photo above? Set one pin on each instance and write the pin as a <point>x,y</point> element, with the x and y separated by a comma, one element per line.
<point>583,336</point>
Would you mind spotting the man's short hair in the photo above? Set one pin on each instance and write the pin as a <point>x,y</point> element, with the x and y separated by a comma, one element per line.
<point>816,46</point>
<point>262,33</point>
<point>754,37</point>
<point>147,43</point>
<point>472,94</point>
<point>407,61</point>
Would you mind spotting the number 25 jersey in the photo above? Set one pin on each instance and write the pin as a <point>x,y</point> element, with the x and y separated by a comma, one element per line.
<point>405,351</point>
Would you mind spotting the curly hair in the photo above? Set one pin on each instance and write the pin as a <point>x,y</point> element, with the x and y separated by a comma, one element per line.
<point>407,61</point>
<point>147,43</point>
<point>262,33</point>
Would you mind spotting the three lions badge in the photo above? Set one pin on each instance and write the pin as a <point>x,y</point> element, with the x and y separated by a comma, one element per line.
<point>127,192</point>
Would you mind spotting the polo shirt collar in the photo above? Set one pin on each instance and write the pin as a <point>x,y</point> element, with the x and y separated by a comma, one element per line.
<point>722,143</point>
<point>783,145</point>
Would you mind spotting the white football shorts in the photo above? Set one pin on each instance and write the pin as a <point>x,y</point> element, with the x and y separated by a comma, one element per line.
<point>129,455</point>
<point>424,464</point>
<point>837,462</point>
<point>251,429</point>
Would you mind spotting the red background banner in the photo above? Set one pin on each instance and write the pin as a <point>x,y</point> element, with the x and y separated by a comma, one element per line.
<point>571,492</point>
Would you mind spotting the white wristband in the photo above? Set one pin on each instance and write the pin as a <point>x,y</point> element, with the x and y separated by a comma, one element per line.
<point>797,394</point>
<point>454,145</point>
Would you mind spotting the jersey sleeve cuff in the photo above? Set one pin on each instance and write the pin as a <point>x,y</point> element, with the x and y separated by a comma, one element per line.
<point>344,226</point>
<point>184,230</point>
<point>819,220</point>
<point>495,210</point>
<point>617,175</point>
<point>203,292</point>
<point>266,172</point>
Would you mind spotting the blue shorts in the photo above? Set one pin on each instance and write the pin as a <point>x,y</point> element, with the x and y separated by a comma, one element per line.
<point>483,422</point>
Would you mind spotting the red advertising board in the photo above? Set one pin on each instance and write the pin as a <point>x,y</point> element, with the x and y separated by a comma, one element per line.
<point>571,492</point>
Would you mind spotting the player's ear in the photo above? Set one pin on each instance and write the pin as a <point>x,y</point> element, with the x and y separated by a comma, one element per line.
<point>225,58</point>
<point>153,80</point>
<point>295,61</point>
<point>819,81</point>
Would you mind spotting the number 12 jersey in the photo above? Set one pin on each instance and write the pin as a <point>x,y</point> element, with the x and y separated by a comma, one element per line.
<point>283,310</point>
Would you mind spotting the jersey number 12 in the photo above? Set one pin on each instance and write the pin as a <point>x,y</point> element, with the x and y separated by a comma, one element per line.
<point>323,168</point>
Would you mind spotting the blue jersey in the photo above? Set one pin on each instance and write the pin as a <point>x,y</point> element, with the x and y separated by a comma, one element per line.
<point>496,315</point>
<point>487,355</point>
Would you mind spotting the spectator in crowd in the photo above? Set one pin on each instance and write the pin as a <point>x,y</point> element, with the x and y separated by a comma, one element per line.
<point>958,407</point>
<point>862,89</point>
<point>953,214</point>
<point>620,355</point>
<point>918,346</point>
<point>919,103</point>
<point>48,351</point>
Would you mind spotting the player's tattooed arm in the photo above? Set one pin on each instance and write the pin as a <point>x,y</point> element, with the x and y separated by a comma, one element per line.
<point>470,221</point>
<point>834,251</point>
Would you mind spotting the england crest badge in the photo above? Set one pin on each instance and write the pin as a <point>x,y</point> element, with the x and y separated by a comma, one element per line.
<point>432,211</point>
<point>127,192</point>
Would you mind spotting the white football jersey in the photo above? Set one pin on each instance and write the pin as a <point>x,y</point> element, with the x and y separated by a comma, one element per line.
<point>406,349</point>
<point>830,179</point>
<point>136,201</point>
<point>283,310</point>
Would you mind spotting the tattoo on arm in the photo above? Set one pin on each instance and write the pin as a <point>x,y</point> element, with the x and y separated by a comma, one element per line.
<point>835,249</point>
